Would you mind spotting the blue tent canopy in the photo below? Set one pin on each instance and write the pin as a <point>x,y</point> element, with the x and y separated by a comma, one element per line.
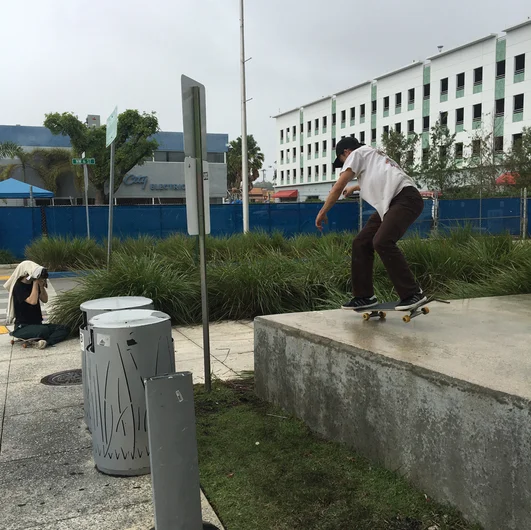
<point>14,189</point>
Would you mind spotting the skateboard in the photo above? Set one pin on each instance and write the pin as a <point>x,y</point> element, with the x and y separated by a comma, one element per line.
<point>26,342</point>
<point>379,311</point>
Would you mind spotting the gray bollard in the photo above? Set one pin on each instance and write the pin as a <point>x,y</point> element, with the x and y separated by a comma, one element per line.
<point>90,309</point>
<point>174,460</point>
<point>126,348</point>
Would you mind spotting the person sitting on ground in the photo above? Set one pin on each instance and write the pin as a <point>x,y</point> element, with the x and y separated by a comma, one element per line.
<point>27,289</point>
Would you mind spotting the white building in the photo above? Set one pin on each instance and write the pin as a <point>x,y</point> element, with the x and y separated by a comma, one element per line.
<point>486,83</point>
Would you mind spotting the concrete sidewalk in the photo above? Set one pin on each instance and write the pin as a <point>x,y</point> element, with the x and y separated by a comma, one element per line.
<point>47,475</point>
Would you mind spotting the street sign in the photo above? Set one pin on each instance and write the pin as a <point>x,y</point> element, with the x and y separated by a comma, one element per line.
<point>192,205</point>
<point>189,131</point>
<point>112,127</point>
<point>83,161</point>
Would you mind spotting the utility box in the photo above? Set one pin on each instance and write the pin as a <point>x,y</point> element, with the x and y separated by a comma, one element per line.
<point>126,347</point>
<point>89,310</point>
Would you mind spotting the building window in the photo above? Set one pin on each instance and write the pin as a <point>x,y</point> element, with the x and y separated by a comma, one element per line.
<point>281,157</point>
<point>316,148</point>
<point>410,157</point>
<point>282,177</point>
<point>500,69</point>
<point>426,123</point>
<point>444,119</point>
<point>310,127</point>
<point>425,154</point>
<point>282,135</point>
<point>426,91</point>
<point>294,176</point>
<point>386,103</point>
<point>316,172</point>
<point>476,147</point>
<point>324,147</point>
<point>478,75</point>
<point>288,174</point>
<point>353,113</point>
<point>459,116</point>
<point>517,139</point>
<point>386,130</point>
<point>333,119</point>
<point>325,122</point>
<point>498,144</point>
<point>398,99</point>
<point>519,64</point>
<point>317,126</point>
<point>178,156</point>
<point>362,137</point>
<point>309,149</point>
<point>287,134</point>
<point>373,135</point>
<point>411,126</point>
<point>309,173</point>
<point>294,153</point>
<point>333,143</point>
<point>500,107</point>
<point>324,169</point>
<point>459,150</point>
<point>343,117</point>
<point>461,81</point>
<point>374,107</point>
<point>411,95</point>
<point>398,127</point>
<point>476,112</point>
<point>518,103</point>
<point>362,111</point>
<point>294,133</point>
<point>444,86</point>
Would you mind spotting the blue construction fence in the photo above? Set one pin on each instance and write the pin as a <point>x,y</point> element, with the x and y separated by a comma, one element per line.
<point>19,226</point>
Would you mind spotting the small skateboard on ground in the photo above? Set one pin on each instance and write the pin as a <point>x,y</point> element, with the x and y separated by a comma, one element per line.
<point>26,343</point>
<point>379,311</point>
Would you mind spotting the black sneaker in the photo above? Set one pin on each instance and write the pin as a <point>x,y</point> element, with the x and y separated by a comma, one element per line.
<point>361,303</point>
<point>411,302</point>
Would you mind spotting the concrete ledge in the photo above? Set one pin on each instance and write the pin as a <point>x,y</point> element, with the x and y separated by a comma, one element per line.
<point>445,400</point>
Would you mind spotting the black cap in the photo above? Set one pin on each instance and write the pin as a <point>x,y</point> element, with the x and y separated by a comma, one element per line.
<point>345,143</point>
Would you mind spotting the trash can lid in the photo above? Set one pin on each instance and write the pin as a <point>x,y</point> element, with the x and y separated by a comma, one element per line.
<point>128,318</point>
<point>115,303</point>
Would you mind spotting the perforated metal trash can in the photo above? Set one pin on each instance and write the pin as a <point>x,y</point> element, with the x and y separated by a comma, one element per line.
<point>90,309</point>
<point>126,347</point>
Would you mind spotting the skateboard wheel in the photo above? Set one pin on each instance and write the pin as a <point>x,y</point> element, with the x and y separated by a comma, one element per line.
<point>407,319</point>
<point>425,310</point>
<point>24,345</point>
<point>12,342</point>
<point>366,316</point>
<point>382,314</point>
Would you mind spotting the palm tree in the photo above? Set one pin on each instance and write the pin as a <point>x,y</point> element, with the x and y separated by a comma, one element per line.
<point>255,159</point>
<point>49,164</point>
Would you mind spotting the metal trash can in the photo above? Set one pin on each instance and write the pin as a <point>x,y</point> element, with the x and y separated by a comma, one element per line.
<point>125,348</point>
<point>90,309</point>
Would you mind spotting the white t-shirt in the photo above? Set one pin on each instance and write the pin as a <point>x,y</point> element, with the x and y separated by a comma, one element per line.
<point>380,178</point>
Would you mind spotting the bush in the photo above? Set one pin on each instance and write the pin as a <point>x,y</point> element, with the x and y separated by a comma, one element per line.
<point>7,257</point>
<point>256,274</point>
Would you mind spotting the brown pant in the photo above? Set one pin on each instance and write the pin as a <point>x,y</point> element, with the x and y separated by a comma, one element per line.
<point>382,236</point>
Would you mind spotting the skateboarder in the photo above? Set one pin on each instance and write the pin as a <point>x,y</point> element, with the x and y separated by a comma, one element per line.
<point>398,203</point>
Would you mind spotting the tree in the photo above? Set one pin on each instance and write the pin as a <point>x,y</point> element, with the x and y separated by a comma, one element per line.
<point>438,166</point>
<point>518,160</point>
<point>486,160</point>
<point>49,164</point>
<point>133,143</point>
<point>255,159</point>
<point>401,149</point>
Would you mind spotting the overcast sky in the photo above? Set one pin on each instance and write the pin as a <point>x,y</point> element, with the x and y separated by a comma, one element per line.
<point>88,56</point>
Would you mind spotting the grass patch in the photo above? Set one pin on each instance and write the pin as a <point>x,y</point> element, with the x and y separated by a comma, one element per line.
<point>262,471</point>
<point>255,274</point>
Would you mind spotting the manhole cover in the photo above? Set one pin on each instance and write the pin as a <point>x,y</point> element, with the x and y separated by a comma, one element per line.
<point>66,378</point>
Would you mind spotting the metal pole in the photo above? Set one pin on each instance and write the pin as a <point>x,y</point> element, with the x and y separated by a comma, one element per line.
<point>245,168</point>
<point>201,224</point>
<point>85,175</point>
<point>173,457</point>
<point>111,192</point>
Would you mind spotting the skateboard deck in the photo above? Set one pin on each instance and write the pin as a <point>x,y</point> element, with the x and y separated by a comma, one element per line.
<point>379,311</point>
<point>25,342</point>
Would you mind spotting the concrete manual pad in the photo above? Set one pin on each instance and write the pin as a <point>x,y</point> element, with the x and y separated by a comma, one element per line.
<point>35,368</point>
<point>444,399</point>
<point>30,396</point>
<point>44,432</point>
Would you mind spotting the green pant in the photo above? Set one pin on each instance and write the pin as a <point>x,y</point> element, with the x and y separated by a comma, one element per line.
<point>51,333</point>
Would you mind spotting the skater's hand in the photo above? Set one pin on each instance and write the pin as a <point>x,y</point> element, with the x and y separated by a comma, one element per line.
<point>320,220</point>
<point>347,192</point>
